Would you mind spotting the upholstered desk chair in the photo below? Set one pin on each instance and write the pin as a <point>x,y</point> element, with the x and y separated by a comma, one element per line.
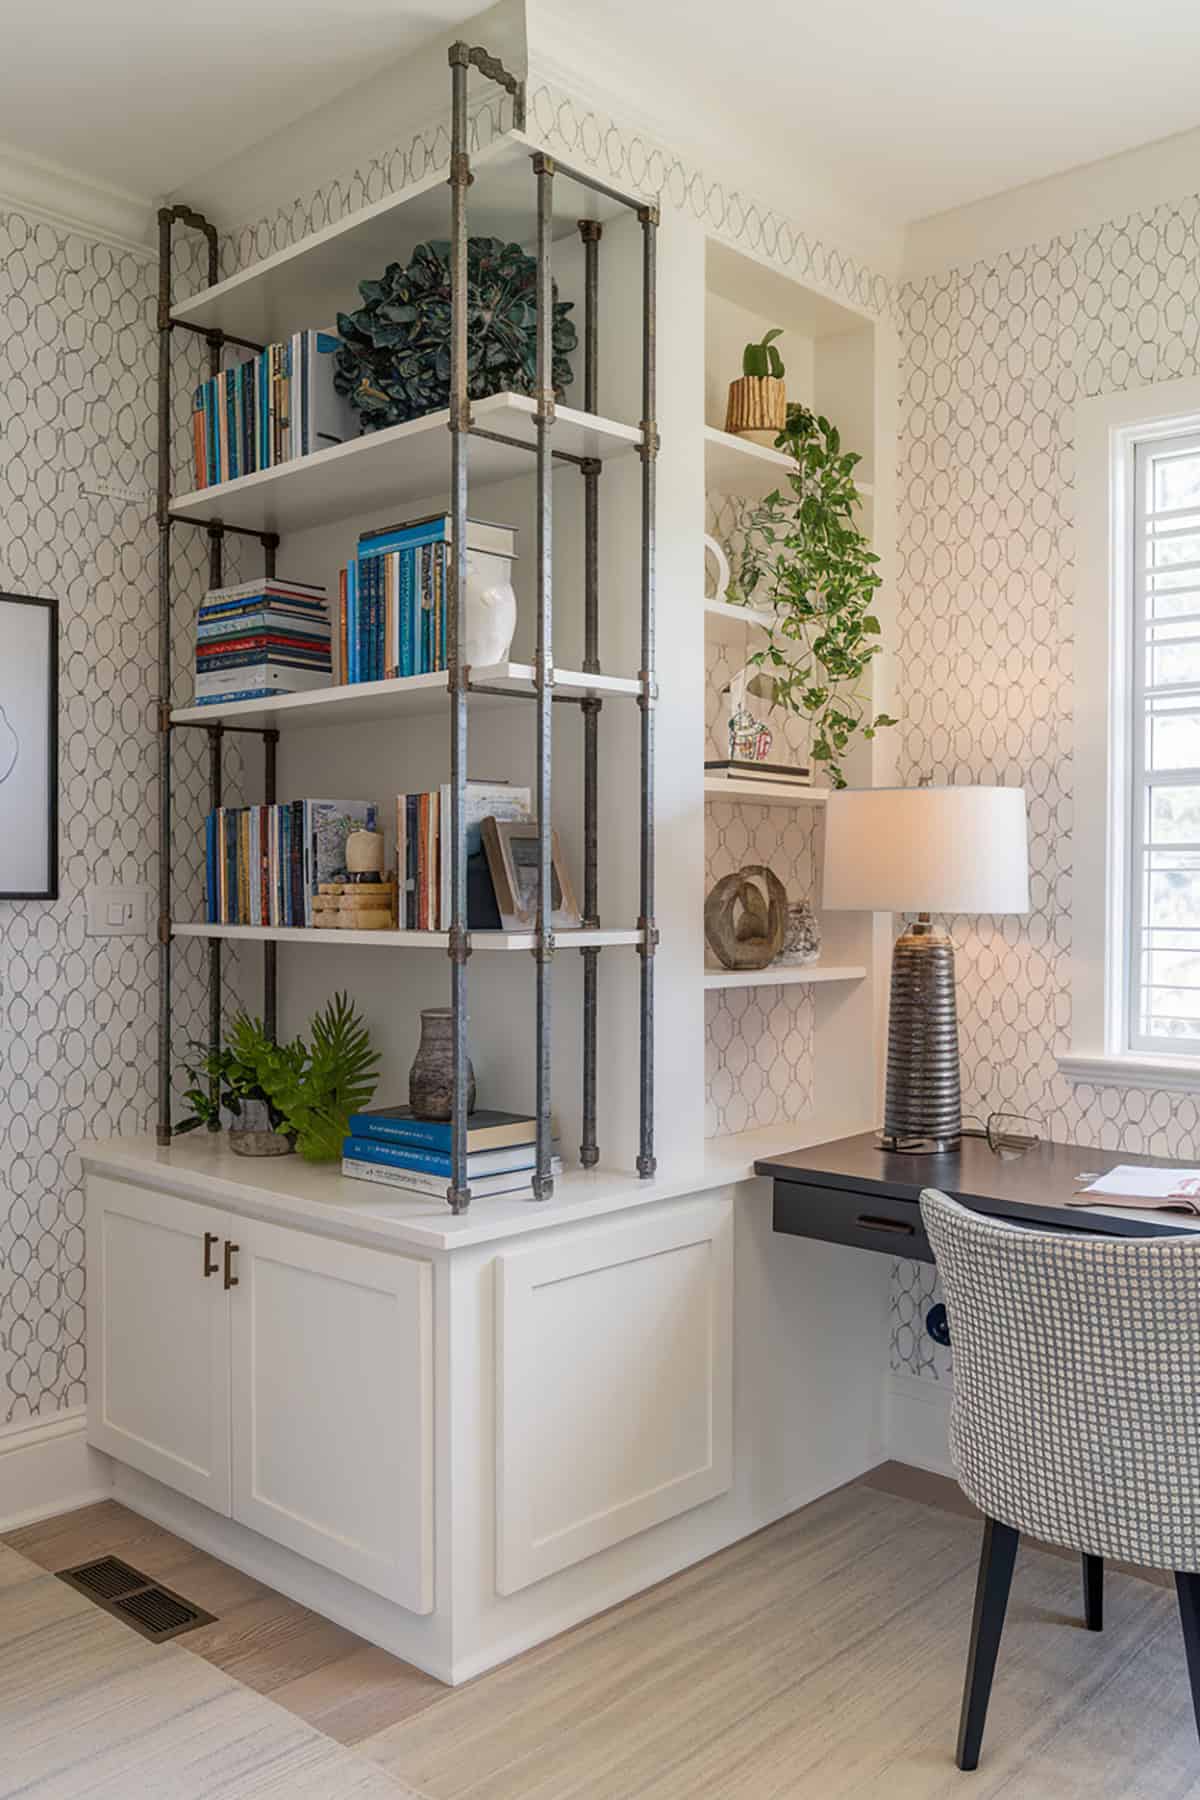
<point>1076,1412</point>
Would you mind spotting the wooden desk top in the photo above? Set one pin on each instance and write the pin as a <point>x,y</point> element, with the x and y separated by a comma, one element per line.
<point>1035,1185</point>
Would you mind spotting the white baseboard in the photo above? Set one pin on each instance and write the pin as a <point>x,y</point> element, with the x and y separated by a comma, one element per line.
<point>47,1466</point>
<point>917,1422</point>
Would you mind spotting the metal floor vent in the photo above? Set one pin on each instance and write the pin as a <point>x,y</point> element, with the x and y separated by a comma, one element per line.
<point>127,1594</point>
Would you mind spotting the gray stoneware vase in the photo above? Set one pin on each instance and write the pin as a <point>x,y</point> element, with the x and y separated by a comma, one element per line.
<point>431,1078</point>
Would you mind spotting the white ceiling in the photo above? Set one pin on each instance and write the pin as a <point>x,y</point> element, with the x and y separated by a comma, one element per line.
<point>908,107</point>
<point>899,107</point>
<point>144,94</point>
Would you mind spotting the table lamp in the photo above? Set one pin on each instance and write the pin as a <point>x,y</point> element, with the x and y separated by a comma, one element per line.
<point>924,850</point>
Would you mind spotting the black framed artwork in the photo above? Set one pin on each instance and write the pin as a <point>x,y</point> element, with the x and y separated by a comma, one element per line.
<point>28,748</point>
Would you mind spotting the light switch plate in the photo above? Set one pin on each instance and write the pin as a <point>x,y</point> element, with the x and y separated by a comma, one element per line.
<point>118,911</point>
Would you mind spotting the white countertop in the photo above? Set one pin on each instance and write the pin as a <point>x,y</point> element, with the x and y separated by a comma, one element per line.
<point>202,1167</point>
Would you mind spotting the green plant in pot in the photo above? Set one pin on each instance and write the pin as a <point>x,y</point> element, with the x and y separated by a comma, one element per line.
<point>805,559</point>
<point>757,403</point>
<point>309,1089</point>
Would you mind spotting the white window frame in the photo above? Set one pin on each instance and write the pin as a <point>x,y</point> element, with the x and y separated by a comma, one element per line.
<point>1107,429</point>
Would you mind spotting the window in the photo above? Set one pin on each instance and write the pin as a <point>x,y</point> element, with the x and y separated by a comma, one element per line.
<point>1128,893</point>
<point>1163,963</point>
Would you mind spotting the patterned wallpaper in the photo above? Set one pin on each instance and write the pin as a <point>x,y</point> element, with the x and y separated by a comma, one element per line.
<point>77,1013</point>
<point>995,359</point>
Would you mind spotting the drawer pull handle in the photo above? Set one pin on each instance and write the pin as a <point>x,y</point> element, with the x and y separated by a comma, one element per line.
<point>210,1242</point>
<point>231,1251</point>
<point>871,1223</point>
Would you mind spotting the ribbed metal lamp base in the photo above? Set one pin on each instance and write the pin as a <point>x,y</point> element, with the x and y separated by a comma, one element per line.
<point>922,1101</point>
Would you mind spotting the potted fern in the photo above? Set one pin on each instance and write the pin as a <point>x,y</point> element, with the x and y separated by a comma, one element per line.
<point>805,559</point>
<point>309,1090</point>
<point>757,405</point>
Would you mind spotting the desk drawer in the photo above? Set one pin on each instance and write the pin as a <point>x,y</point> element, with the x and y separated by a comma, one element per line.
<point>842,1216</point>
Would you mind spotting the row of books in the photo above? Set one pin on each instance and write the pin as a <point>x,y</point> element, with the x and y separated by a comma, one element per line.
<point>261,638</point>
<point>393,597</point>
<point>265,864</point>
<point>392,1147</point>
<point>423,858</point>
<point>280,404</point>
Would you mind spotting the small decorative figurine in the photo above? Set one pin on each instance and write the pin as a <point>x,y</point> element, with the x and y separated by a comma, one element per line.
<point>750,738</point>
<point>491,610</point>
<point>801,936</point>
<point>364,856</point>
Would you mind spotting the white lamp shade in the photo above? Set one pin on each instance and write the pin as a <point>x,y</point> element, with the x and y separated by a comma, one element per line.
<point>929,849</point>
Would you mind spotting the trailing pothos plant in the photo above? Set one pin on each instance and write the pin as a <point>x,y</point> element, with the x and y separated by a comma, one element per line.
<point>805,560</point>
<point>310,1089</point>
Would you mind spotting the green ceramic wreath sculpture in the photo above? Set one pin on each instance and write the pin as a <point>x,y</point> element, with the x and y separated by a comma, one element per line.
<point>395,360</point>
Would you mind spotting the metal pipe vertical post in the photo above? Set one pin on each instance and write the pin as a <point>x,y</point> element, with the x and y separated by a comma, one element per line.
<point>270,544</point>
<point>543,1181</point>
<point>459,1194</point>
<point>270,950</point>
<point>216,571</point>
<point>646,1162</point>
<point>590,231</point>
<point>163,1132</point>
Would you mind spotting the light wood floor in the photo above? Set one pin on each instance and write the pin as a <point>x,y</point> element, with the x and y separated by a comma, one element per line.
<point>822,1657</point>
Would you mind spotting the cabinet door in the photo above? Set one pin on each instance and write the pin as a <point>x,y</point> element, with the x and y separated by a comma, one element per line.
<point>614,1352</point>
<point>158,1337</point>
<point>332,1406</point>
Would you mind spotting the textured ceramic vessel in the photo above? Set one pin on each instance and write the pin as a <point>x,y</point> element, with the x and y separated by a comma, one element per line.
<point>431,1078</point>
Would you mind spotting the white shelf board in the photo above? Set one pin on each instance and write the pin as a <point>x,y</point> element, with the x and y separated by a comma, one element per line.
<point>762,793</point>
<point>722,613</point>
<point>409,695</point>
<point>385,469</point>
<point>309,282</point>
<point>736,465</point>
<point>782,976</point>
<point>405,940</point>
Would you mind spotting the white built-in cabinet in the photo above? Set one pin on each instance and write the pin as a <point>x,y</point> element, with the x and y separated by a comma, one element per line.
<point>159,1364</point>
<point>282,1379</point>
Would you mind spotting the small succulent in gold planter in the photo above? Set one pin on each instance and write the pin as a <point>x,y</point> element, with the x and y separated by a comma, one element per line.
<point>757,405</point>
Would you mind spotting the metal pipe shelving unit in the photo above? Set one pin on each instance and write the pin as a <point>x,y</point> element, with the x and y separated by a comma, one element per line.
<point>463,58</point>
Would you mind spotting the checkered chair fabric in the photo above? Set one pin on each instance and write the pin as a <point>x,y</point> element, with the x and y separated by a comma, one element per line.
<point>1076,1412</point>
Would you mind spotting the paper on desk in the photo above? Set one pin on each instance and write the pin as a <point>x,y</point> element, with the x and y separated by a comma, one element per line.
<point>1131,1185</point>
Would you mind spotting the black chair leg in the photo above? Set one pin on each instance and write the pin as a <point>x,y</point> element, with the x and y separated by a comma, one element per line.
<point>1188,1589</point>
<point>996,1559</point>
<point>1093,1592</point>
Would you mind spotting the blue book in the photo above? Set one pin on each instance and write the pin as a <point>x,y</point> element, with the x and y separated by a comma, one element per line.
<point>352,620</point>
<point>486,1130</point>
<point>436,1162</point>
<point>407,666</point>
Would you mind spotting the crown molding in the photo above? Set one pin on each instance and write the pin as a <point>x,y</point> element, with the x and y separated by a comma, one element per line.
<point>44,190</point>
<point>592,71</point>
<point>1079,199</point>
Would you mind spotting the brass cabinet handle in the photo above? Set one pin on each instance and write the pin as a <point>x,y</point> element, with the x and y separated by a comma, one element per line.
<point>210,1241</point>
<point>873,1223</point>
<point>231,1251</point>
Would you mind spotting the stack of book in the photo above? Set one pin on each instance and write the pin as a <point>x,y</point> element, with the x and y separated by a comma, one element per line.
<point>264,637</point>
<point>423,854</point>
<point>265,864</point>
<point>280,404</point>
<point>777,774</point>
<point>393,597</point>
<point>390,1146</point>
